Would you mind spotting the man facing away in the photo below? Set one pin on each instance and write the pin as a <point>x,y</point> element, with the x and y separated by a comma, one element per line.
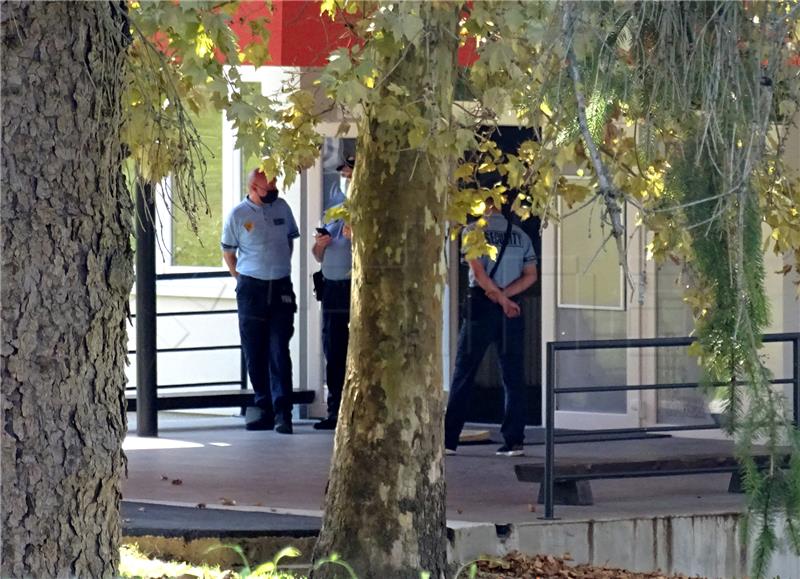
<point>333,249</point>
<point>257,244</point>
<point>492,315</point>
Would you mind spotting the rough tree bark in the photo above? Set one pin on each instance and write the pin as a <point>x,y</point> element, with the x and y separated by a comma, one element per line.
<point>385,510</point>
<point>66,277</point>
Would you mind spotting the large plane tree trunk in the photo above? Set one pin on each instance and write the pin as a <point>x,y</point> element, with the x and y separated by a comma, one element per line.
<point>66,277</point>
<point>385,509</point>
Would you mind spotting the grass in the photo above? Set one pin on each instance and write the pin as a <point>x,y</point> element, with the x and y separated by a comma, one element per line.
<point>135,565</point>
<point>203,249</point>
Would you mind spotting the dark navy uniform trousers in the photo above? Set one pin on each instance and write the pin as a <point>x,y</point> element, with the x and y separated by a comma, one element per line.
<point>484,323</point>
<point>335,336</point>
<point>266,324</point>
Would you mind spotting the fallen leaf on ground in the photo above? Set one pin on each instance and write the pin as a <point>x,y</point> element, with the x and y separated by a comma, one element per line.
<point>164,477</point>
<point>201,505</point>
<point>227,502</point>
<point>177,481</point>
<point>518,565</point>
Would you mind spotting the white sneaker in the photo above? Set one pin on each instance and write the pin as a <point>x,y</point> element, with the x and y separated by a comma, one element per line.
<point>506,450</point>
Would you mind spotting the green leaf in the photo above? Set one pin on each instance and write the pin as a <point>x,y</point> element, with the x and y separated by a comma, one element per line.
<point>416,137</point>
<point>397,89</point>
<point>497,99</point>
<point>287,552</point>
<point>338,62</point>
<point>411,25</point>
<point>352,92</point>
<point>263,569</point>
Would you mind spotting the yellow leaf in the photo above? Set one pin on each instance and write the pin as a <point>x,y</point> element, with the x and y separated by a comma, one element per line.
<point>695,349</point>
<point>328,7</point>
<point>478,208</point>
<point>545,108</point>
<point>463,171</point>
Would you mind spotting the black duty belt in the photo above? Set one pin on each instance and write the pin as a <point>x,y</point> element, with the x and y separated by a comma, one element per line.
<point>337,281</point>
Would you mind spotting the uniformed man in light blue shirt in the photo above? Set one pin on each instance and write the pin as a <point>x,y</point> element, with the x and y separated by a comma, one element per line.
<point>257,241</point>
<point>492,315</point>
<point>333,249</point>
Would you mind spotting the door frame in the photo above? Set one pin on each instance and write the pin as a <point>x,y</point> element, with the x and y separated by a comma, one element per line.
<point>639,366</point>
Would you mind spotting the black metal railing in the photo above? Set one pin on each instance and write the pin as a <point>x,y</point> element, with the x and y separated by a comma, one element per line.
<point>148,404</point>
<point>193,400</point>
<point>552,391</point>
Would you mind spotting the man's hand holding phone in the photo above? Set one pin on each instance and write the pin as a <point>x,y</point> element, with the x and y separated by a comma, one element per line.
<point>323,238</point>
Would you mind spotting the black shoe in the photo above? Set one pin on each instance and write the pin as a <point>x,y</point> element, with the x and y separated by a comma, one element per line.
<point>260,425</point>
<point>510,450</point>
<point>326,424</point>
<point>283,426</point>
<point>256,418</point>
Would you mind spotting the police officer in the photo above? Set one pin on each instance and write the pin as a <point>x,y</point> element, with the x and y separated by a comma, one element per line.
<point>492,315</point>
<point>333,249</point>
<point>257,244</point>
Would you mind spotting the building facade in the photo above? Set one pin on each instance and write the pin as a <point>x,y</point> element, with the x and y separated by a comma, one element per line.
<point>581,295</point>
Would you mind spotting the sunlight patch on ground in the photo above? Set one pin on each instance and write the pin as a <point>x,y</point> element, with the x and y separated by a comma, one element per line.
<point>147,443</point>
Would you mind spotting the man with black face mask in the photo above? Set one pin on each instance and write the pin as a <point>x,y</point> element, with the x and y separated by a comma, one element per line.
<point>257,242</point>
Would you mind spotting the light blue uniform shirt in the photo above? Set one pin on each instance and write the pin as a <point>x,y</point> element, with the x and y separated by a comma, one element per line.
<point>262,238</point>
<point>519,252</point>
<point>338,257</point>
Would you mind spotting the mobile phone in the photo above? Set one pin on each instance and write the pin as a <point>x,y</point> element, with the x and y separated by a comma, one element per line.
<point>323,231</point>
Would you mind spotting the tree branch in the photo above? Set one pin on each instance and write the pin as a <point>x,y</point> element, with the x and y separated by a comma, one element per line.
<point>610,194</point>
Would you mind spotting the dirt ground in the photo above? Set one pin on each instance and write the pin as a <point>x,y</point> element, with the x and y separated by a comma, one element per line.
<point>519,566</point>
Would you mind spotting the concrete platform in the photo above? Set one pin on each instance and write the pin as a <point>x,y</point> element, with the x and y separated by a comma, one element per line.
<point>208,477</point>
<point>217,462</point>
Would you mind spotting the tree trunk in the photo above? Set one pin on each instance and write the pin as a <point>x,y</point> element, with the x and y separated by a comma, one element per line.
<point>385,509</point>
<point>66,269</point>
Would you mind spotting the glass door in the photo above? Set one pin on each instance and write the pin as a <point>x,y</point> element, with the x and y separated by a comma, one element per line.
<point>591,303</point>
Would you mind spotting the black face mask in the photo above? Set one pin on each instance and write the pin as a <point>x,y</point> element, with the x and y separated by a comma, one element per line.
<point>270,197</point>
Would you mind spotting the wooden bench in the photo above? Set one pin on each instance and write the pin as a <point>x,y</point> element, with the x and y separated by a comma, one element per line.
<point>571,478</point>
<point>182,400</point>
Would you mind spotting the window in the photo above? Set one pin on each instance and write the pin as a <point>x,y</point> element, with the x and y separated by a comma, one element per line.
<point>202,249</point>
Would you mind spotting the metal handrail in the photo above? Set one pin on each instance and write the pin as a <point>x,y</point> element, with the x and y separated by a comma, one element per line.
<point>551,391</point>
<point>242,382</point>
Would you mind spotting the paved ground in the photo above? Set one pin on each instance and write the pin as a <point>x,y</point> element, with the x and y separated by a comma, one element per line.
<point>191,522</point>
<point>216,463</point>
